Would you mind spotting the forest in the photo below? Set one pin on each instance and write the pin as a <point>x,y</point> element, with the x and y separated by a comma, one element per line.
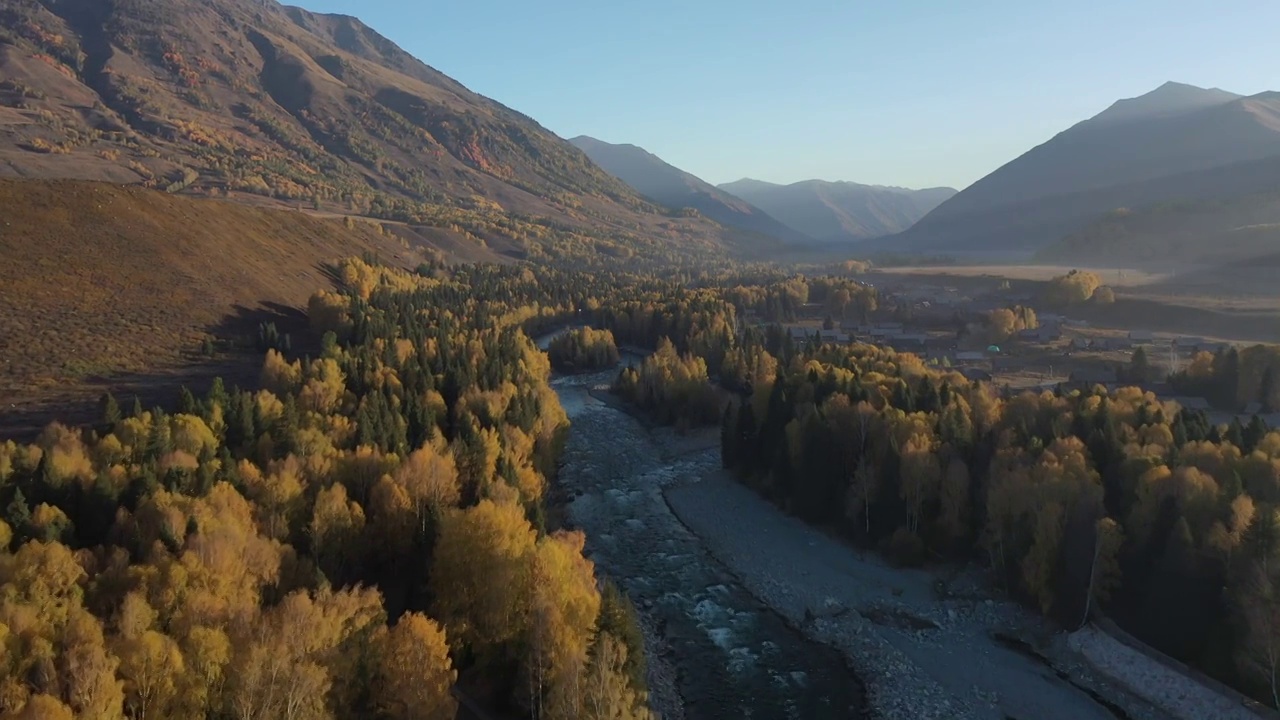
<point>1079,502</point>
<point>1234,379</point>
<point>354,538</point>
<point>583,349</point>
<point>368,531</point>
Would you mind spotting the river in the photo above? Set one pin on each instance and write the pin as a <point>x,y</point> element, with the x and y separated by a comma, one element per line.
<point>733,657</point>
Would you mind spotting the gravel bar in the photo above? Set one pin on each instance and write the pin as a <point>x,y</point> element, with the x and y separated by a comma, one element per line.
<point>967,654</point>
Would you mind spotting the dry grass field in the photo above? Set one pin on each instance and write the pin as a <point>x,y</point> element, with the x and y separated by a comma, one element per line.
<point>103,281</point>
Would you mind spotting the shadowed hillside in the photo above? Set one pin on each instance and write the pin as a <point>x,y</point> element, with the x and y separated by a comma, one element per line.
<point>260,101</point>
<point>1176,235</point>
<point>1175,143</point>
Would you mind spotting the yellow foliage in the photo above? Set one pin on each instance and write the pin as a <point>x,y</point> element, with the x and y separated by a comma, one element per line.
<point>415,675</point>
<point>190,434</point>
<point>484,555</point>
<point>279,375</point>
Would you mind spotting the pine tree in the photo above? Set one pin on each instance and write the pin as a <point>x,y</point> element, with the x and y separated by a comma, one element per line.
<point>17,514</point>
<point>187,403</point>
<point>1267,392</point>
<point>1228,379</point>
<point>217,395</point>
<point>1235,433</point>
<point>1139,366</point>
<point>1253,434</point>
<point>137,407</point>
<point>109,411</point>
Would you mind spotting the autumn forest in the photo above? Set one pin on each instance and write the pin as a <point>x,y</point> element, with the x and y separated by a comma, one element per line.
<point>368,532</point>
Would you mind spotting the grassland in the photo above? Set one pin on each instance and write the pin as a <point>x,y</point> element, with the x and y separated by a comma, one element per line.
<point>108,285</point>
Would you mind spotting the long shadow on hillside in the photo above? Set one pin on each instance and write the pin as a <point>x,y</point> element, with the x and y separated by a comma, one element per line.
<point>240,329</point>
<point>237,360</point>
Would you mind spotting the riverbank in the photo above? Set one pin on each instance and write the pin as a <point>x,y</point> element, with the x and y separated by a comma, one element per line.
<point>968,654</point>
<point>715,651</point>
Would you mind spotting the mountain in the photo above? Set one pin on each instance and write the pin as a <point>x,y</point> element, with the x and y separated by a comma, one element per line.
<point>835,211</point>
<point>668,185</point>
<point>1155,148</point>
<point>264,103</point>
<point>1176,236</point>
<point>1169,99</point>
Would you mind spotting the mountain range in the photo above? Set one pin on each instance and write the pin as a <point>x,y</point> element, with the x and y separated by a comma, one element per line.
<point>270,104</point>
<point>803,212</point>
<point>840,211</point>
<point>277,106</point>
<point>672,187</point>
<point>1176,143</point>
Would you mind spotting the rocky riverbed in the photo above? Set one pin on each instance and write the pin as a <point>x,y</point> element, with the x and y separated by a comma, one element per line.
<point>924,650</point>
<point>715,650</point>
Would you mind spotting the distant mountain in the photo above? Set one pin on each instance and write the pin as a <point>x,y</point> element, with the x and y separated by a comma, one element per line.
<point>837,211</point>
<point>264,103</point>
<point>668,185</point>
<point>1156,148</point>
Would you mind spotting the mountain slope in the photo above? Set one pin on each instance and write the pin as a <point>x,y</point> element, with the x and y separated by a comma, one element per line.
<point>1112,160</point>
<point>102,279</point>
<point>670,186</point>
<point>262,102</point>
<point>1177,235</point>
<point>834,211</point>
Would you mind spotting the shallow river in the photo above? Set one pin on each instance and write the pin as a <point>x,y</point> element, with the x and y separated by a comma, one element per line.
<point>734,658</point>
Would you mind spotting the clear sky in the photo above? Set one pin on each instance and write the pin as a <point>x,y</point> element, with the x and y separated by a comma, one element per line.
<point>898,92</point>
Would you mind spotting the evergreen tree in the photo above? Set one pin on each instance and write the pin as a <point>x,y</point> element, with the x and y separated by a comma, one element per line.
<point>217,395</point>
<point>18,515</point>
<point>329,344</point>
<point>1235,433</point>
<point>1228,379</point>
<point>618,617</point>
<point>1179,430</point>
<point>109,412</point>
<point>1268,391</point>
<point>1139,366</point>
<point>1253,434</point>
<point>187,403</point>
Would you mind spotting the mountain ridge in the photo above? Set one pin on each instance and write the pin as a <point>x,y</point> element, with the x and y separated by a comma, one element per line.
<point>837,211</point>
<point>668,185</point>
<point>1096,166</point>
<point>265,103</point>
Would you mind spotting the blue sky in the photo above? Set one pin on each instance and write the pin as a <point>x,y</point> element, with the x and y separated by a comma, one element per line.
<point>895,92</point>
